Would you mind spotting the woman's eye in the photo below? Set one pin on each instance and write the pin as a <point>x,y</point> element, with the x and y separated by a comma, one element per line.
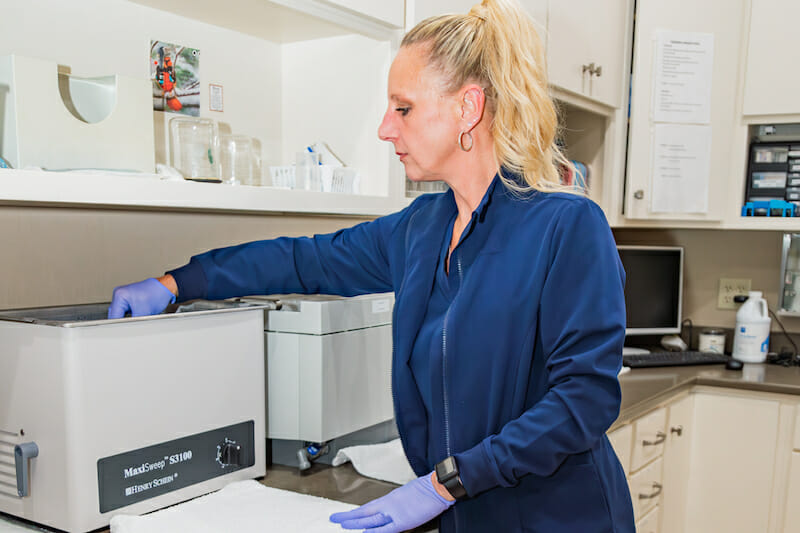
<point>403,110</point>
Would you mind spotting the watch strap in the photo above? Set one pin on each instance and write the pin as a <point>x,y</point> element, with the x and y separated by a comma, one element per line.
<point>448,475</point>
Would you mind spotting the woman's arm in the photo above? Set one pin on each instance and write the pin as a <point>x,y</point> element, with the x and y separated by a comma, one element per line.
<point>351,261</point>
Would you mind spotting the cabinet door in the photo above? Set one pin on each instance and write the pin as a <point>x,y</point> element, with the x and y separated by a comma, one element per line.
<point>582,33</point>
<point>732,462</point>
<point>772,76</point>
<point>677,455</point>
<point>791,523</point>
<point>653,15</point>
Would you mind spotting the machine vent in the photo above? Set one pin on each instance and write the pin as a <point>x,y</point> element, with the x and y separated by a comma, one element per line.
<point>8,473</point>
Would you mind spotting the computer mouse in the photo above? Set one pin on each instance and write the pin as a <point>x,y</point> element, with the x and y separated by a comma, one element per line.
<point>673,343</point>
<point>734,364</point>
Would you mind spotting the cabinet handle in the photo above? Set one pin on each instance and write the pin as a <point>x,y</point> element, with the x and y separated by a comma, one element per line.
<point>660,437</point>
<point>593,70</point>
<point>678,430</point>
<point>638,194</point>
<point>657,486</point>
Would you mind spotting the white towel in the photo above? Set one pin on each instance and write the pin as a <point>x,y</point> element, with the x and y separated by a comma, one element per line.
<point>241,507</point>
<point>386,461</point>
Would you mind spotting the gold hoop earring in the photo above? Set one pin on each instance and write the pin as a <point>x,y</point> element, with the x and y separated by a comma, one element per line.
<point>461,141</point>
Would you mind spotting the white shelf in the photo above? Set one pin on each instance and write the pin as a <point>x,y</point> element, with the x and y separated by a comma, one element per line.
<point>789,224</point>
<point>31,187</point>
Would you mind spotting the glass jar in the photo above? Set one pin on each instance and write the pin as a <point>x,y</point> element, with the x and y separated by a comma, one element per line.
<point>194,148</point>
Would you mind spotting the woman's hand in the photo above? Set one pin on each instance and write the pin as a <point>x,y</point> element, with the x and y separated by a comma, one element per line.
<point>148,297</point>
<point>404,508</point>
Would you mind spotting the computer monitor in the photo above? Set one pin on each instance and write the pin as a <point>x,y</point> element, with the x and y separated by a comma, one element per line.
<point>653,289</point>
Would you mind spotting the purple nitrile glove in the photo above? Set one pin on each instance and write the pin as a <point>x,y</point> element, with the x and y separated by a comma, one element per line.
<point>404,508</point>
<point>148,297</point>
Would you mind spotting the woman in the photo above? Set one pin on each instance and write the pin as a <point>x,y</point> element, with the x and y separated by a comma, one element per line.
<point>509,317</point>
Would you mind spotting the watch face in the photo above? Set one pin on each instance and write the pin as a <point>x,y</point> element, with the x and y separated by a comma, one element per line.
<point>446,469</point>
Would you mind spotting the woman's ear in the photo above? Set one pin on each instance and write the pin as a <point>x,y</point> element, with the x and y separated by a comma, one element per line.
<point>473,101</point>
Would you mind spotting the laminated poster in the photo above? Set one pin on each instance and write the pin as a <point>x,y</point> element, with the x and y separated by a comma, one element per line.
<point>175,71</point>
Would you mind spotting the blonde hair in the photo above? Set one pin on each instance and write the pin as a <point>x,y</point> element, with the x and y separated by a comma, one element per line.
<point>496,46</point>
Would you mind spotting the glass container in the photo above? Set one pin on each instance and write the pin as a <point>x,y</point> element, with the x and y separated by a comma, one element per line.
<point>194,148</point>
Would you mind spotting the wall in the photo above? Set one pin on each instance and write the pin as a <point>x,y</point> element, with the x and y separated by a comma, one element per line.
<point>103,37</point>
<point>61,256</point>
<point>55,256</point>
<point>713,254</point>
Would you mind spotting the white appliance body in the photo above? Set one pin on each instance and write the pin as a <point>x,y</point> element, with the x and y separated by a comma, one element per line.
<point>129,415</point>
<point>328,366</point>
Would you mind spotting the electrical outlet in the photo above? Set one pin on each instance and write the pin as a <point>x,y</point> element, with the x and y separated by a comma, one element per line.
<point>728,288</point>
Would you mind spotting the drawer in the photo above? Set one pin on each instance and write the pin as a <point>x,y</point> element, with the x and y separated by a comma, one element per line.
<point>650,522</point>
<point>646,487</point>
<point>648,438</point>
<point>622,440</point>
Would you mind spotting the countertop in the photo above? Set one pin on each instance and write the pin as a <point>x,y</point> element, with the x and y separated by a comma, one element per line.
<point>643,388</point>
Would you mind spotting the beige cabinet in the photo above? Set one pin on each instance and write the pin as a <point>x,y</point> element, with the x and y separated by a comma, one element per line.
<point>677,455</point>
<point>727,460</point>
<point>586,47</point>
<point>732,462</point>
<point>694,16</point>
<point>791,521</point>
<point>639,447</point>
<point>791,514</point>
<point>772,76</point>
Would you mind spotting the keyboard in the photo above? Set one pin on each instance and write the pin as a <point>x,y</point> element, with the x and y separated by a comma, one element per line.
<point>653,359</point>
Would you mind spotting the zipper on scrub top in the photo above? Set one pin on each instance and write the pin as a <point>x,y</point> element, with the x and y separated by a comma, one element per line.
<point>444,365</point>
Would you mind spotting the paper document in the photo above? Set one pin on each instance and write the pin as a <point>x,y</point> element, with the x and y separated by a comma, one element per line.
<point>680,168</point>
<point>682,79</point>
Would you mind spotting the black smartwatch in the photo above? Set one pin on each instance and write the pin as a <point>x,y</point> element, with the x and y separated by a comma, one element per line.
<point>447,474</point>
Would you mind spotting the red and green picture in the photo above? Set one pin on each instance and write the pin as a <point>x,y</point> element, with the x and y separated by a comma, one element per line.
<point>175,71</point>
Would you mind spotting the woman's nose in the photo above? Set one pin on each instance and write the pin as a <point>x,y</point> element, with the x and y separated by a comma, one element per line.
<point>387,131</point>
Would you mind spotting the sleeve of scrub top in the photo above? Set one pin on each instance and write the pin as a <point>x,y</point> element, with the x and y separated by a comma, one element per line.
<point>347,262</point>
<point>582,330</point>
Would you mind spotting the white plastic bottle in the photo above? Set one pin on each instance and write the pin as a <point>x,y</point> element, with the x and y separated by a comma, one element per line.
<point>751,339</point>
